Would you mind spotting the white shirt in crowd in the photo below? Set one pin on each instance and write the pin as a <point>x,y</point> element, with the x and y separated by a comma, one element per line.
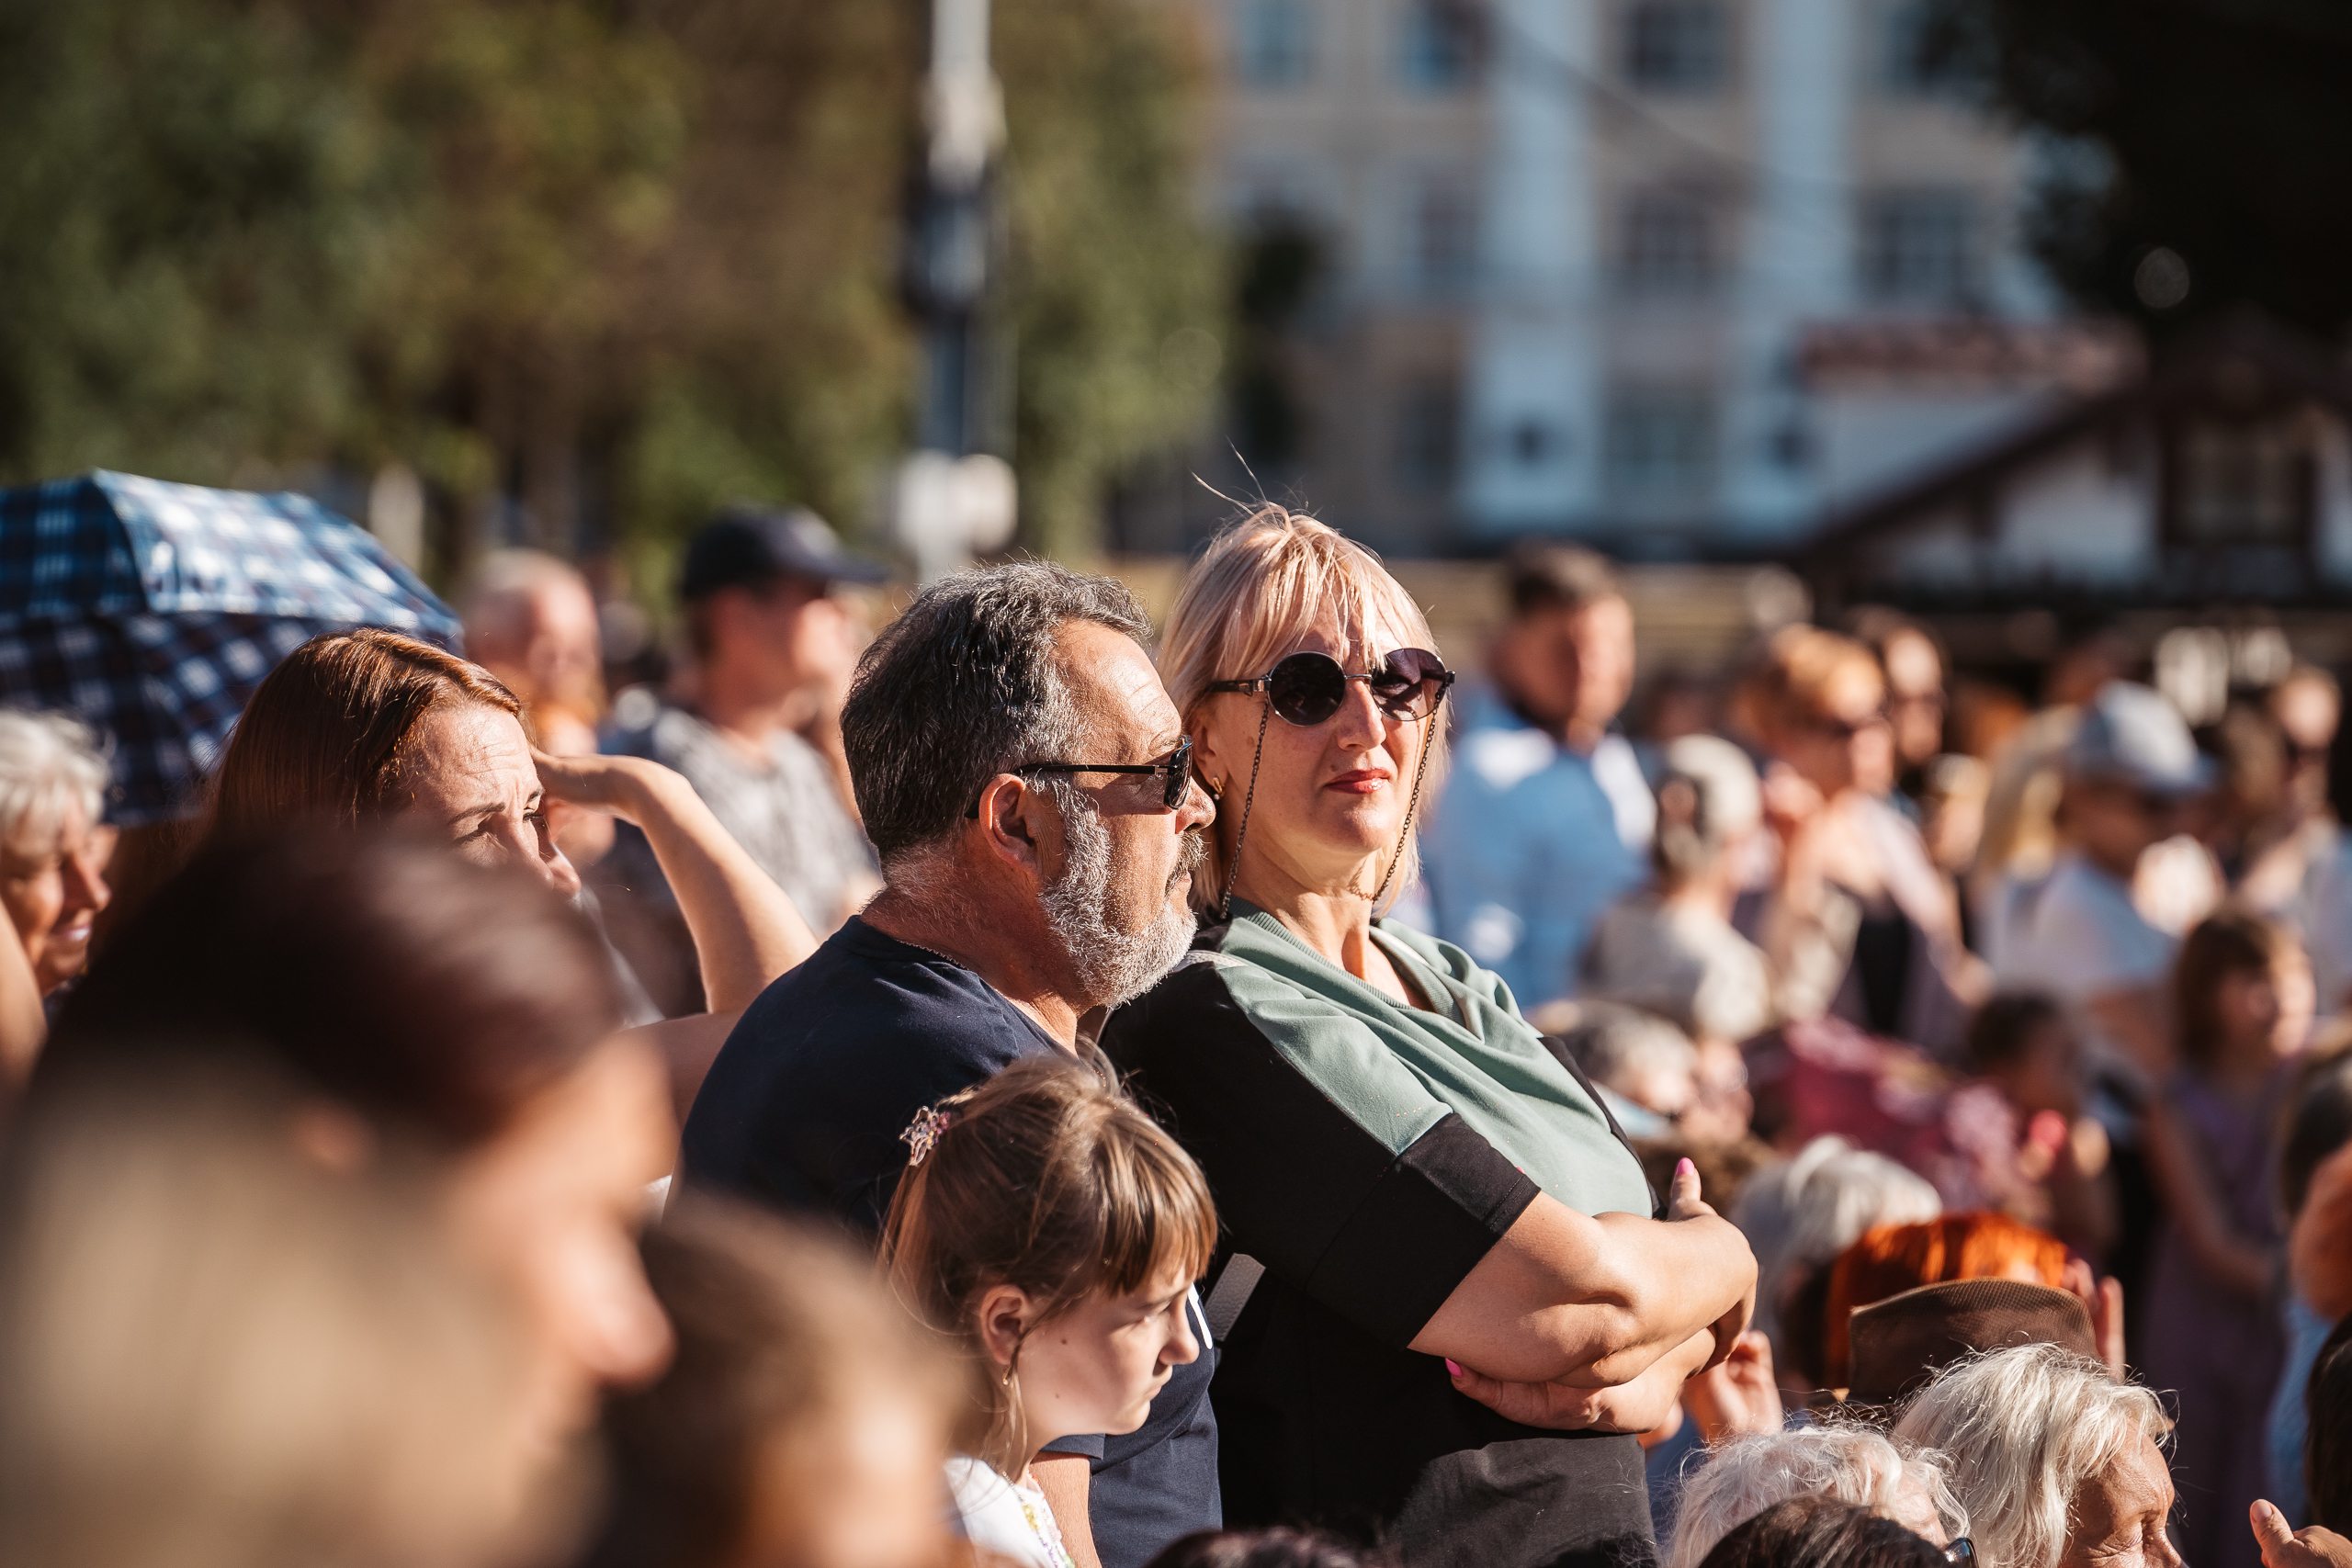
<point>1006,1516</point>
<point>2077,934</point>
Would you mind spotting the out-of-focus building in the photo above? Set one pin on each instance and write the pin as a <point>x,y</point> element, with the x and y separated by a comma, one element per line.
<point>1611,268</point>
<point>2202,513</point>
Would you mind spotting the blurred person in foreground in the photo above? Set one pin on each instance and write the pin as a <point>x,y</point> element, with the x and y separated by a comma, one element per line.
<point>1024,777</point>
<point>1823,1533</point>
<point>369,726</point>
<point>2241,1014</point>
<point>1741,1478</point>
<point>234,1335</point>
<point>1049,1233</point>
<point>1671,947</point>
<point>2316,1198</point>
<point>802,1423</point>
<point>2077,934</point>
<point>1860,924</point>
<point>418,1002</point>
<point>1458,1310</point>
<point>773,651</point>
<point>1799,1216</point>
<point>54,840</point>
<point>1547,818</point>
<point>2056,1462</point>
<point>2327,1458</point>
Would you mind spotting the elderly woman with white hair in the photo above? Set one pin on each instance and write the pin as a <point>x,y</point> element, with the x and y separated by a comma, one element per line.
<point>2058,1463</point>
<point>1445,1305</point>
<point>53,840</point>
<point>1852,1463</point>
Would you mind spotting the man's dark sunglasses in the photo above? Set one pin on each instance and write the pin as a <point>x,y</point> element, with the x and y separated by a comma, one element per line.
<point>1306,689</point>
<point>1963,1551</point>
<point>1178,770</point>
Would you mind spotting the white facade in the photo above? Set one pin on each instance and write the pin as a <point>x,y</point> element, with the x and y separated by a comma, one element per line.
<point>1667,196</point>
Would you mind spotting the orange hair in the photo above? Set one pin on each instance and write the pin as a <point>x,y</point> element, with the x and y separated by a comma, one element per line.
<point>1891,1259</point>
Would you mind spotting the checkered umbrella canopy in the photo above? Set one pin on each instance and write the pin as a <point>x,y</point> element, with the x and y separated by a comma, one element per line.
<point>152,611</point>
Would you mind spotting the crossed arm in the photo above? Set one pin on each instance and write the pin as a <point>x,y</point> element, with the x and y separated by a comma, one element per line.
<point>1574,1320</point>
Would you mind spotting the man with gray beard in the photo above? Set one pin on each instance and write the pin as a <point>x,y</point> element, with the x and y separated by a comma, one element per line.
<point>1028,786</point>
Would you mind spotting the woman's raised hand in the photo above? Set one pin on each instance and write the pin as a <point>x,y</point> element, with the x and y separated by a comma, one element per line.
<point>618,786</point>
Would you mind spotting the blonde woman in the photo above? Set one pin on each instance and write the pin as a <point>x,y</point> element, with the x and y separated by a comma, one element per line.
<point>1447,1303</point>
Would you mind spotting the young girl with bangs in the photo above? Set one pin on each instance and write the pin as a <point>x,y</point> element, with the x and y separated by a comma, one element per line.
<point>1051,1233</point>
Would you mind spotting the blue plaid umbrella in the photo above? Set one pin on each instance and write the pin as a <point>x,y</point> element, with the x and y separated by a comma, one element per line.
<point>153,610</point>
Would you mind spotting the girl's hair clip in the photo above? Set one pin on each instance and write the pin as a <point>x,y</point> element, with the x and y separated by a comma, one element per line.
<point>924,1133</point>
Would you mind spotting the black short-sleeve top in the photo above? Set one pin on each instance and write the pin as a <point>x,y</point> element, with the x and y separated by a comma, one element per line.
<point>1367,1154</point>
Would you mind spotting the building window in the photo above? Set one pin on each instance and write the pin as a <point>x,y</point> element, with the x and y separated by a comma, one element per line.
<point>1676,46</point>
<point>1273,42</point>
<point>1921,54</point>
<point>1445,236</point>
<point>2240,485</point>
<point>1427,423</point>
<point>1442,44</point>
<point>1918,248</point>
<point>1660,445</point>
<point>1667,244</point>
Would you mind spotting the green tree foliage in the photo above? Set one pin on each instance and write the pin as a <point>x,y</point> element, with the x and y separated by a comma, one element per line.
<point>2214,128</point>
<point>606,263</point>
<point>1107,259</point>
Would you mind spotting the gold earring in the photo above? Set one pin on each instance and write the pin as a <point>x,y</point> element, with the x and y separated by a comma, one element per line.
<point>1216,791</point>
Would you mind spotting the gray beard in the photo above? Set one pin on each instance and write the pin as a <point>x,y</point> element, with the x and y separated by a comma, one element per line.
<point>1114,963</point>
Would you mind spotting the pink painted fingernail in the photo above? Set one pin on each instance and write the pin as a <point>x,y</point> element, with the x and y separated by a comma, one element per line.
<point>1452,1368</point>
<point>1683,1168</point>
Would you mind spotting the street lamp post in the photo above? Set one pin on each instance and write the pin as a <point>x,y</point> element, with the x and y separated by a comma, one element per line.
<point>952,497</point>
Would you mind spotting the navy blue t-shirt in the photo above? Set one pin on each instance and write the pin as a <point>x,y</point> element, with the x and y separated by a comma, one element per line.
<point>802,1111</point>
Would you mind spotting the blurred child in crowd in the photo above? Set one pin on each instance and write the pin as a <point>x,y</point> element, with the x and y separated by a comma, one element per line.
<point>1050,1234</point>
<point>802,1423</point>
<point>1671,947</point>
<point>2022,1044</point>
<point>2242,1003</point>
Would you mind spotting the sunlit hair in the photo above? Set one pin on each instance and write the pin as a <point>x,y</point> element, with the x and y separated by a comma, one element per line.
<point>2025,1429</point>
<point>327,730</point>
<point>1743,1477</point>
<point>1050,1180</point>
<point>1891,1259</point>
<point>48,761</point>
<point>2233,942</point>
<point>1789,684</point>
<point>1263,584</point>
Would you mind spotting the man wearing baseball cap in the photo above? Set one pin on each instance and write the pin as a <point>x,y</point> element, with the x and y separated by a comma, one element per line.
<point>773,651</point>
<point>2130,768</point>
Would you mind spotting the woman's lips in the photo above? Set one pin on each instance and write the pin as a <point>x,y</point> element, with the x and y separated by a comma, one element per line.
<point>1362,781</point>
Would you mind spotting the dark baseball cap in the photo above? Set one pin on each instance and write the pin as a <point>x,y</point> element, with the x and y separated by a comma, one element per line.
<point>745,545</point>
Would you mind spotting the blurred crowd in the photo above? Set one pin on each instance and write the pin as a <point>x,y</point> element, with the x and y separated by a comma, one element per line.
<point>1006,1080</point>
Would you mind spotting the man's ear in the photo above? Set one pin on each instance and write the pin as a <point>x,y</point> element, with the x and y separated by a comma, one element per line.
<point>1002,1319</point>
<point>1014,821</point>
